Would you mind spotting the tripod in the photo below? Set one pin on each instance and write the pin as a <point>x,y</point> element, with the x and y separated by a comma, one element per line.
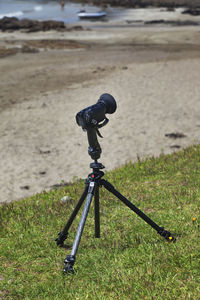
<point>92,184</point>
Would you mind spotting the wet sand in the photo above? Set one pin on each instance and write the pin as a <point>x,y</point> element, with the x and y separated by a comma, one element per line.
<point>153,73</point>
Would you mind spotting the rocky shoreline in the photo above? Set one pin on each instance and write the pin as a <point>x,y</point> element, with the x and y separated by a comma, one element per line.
<point>144,3</point>
<point>33,25</point>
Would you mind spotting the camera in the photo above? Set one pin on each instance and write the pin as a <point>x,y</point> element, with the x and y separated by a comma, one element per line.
<point>93,115</point>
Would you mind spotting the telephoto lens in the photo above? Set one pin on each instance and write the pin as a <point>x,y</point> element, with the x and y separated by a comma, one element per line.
<point>95,114</point>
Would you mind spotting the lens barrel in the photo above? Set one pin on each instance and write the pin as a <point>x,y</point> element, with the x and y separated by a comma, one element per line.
<point>94,114</point>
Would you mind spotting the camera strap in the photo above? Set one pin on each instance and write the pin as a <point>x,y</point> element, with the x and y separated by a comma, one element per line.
<point>106,120</point>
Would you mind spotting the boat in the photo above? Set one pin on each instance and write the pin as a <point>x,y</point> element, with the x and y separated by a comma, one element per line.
<point>82,14</point>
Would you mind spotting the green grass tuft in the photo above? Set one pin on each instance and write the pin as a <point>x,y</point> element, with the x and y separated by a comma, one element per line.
<point>130,260</point>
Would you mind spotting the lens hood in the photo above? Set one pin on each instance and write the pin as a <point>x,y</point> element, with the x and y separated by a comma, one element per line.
<point>109,102</point>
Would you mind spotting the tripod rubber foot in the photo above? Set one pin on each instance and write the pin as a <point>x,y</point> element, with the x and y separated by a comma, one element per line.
<point>68,264</point>
<point>60,239</point>
<point>167,235</point>
<point>68,269</point>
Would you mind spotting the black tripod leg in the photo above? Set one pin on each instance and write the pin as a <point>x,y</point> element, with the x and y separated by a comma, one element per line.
<point>64,233</point>
<point>166,234</point>
<point>70,259</point>
<point>96,211</point>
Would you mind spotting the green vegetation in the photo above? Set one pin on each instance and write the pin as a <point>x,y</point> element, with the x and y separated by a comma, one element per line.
<point>130,260</point>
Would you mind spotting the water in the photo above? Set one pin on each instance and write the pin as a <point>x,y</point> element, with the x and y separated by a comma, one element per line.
<point>51,10</point>
<point>43,10</point>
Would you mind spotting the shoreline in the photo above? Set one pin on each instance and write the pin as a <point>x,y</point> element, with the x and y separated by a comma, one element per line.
<point>152,72</point>
<point>143,3</point>
<point>178,16</point>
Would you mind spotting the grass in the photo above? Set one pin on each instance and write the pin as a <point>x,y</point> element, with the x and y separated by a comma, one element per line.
<point>130,260</point>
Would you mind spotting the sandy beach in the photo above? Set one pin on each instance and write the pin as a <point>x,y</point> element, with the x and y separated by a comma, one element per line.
<point>152,71</point>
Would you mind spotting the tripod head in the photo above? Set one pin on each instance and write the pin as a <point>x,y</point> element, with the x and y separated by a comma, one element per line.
<point>94,117</point>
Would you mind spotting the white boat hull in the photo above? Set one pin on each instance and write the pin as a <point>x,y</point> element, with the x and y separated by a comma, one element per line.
<point>96,15</point>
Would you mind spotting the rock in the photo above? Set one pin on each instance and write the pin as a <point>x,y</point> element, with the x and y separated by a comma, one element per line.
<point>175,135</point>
<point>66,199</point>
<point>30,25</point>
<point>42,172</point>
<point>175,146</point>
<point>173,23</point>
<point>7,51</point>
<point>170,4</point>
<point>192,11</point>
<point>44,151</point>
<point>25,187</point>
<point>9,24</point>
<point>27,49</point>
<point>155,22</point>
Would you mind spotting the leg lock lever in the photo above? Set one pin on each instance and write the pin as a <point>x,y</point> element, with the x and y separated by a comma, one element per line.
<point>60,239</point>
<point>69,262</point>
